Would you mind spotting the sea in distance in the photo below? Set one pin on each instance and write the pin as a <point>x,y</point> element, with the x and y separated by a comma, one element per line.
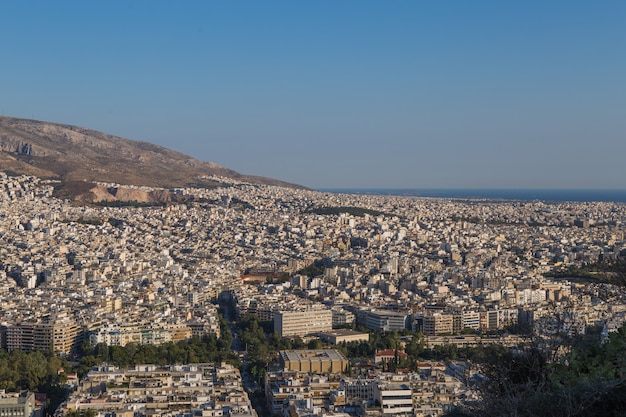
<point>547,195</point>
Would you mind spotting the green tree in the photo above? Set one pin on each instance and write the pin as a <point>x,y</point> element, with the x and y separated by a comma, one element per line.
<point>590,381</point>
<point>80,413</point>
<point>315,344</point>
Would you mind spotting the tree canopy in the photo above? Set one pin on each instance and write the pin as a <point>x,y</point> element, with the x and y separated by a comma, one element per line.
<point>588,381</point>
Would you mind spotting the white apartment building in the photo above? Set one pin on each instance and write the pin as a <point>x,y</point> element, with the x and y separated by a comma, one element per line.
<point>394,398</point>
<point>302,323</point>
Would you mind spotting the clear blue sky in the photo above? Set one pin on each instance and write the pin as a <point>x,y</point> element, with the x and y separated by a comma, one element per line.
<point>331,94</point>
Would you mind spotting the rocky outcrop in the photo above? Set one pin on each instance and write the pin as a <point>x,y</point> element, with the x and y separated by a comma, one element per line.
<point>99,193</point>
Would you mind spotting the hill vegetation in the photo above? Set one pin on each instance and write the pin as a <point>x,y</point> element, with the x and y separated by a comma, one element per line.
<point>589,381</point>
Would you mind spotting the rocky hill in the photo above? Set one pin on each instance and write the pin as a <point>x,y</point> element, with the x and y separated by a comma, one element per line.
<point>80,157</point>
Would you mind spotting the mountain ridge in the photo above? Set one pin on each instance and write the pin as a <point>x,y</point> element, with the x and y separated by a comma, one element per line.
<point>74,154</point>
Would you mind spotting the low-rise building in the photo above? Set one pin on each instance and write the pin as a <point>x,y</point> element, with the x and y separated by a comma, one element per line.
<point>192,389</point>
<point>320,361</point>
<point>394,398</point>
<point>344,336</point>
<point>18,405</point>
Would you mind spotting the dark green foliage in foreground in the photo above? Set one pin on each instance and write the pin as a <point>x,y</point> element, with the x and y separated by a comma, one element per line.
<point>35,371</point>
<point>354,211</point>
<point>590,381</point>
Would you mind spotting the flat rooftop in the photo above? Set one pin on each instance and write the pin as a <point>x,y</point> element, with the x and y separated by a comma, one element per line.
<point>309,354</point>
<point>344,332</point>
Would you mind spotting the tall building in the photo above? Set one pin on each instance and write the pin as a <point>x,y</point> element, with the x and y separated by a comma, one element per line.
<point>438,324</point>
<point>470,319</point>
<point>489,320</point>
<point>302,323</point>
<point>386,320</point>
<point>342,317</point>
<point>56,334</point>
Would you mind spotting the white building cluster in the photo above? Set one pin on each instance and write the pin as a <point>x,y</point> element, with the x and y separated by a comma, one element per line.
<point>157,270</point>
<point>119,275</point>
<point>432,390</point>
<point>171,391</point>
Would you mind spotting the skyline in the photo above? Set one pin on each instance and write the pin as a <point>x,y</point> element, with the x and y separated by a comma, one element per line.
<point>338,94</point>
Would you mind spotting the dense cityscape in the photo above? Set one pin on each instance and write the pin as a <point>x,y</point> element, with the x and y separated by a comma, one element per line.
<point>313,209</point>
<point>321,273</point>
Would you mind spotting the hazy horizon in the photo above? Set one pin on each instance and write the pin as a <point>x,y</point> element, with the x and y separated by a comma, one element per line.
<point>427,95</point>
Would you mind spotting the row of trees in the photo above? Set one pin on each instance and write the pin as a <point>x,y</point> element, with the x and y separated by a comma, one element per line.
<point>46,372</point>
<point>261,342</point>
<point>205,349</point>
<point>20,370</point>
<point>590,377</point>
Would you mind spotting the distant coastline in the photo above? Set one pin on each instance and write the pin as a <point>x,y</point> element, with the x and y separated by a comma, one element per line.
<point>553,195</point>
